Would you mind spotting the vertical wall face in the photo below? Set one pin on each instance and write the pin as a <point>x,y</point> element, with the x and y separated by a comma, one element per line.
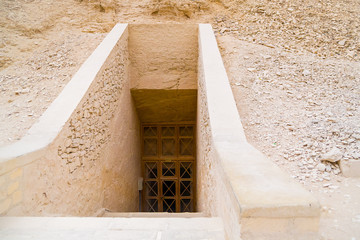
<point>163,71</point>
<point>93,162</point>
<point>214,192</point>
<point>249,192</point>
<point>163,56</point>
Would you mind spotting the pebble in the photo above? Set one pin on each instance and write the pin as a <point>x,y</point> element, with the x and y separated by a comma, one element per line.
<point>333,155</point>
<point>342,42</point>
<point>321,167</point>
<point>306,73</point>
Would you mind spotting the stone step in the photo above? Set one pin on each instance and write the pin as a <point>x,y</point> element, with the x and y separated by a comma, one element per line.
<point>153,215</point>
<point>109,228</point>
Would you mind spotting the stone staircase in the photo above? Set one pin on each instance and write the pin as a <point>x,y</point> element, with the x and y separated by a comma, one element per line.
<point>124,226</point>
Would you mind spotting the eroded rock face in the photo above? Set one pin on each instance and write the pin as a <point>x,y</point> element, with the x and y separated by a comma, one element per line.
<point>163,58</point>
<point>178,7</point>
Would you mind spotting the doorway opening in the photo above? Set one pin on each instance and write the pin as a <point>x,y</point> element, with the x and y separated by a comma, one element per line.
<point>168,167</point>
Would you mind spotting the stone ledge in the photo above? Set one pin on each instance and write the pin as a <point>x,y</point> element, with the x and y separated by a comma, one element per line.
<point>44,228</point>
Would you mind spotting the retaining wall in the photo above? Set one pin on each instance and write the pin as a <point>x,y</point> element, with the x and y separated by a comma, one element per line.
<point>255,199</point>
<point>83,153</point>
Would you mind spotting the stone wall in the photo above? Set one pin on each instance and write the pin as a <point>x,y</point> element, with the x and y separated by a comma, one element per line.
<point>93,162</point>
<point>255,199</point>
<point>214,193</point>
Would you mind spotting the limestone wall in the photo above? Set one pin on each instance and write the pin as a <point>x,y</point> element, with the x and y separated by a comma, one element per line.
<point>92,161</point>
<point>255,199</point>
<point>215,196</point>
<point>163,56</point>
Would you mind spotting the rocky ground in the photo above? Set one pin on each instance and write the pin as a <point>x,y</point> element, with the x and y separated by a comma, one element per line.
<point>293,66</point>
<point>302,112</point>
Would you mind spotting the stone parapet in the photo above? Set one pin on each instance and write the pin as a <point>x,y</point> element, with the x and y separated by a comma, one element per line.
<point>255,199</point>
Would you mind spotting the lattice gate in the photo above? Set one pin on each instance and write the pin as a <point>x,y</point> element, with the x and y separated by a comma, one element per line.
<point>168,165</point>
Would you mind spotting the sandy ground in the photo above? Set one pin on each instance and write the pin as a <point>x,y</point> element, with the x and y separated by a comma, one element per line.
<point>293,66</point>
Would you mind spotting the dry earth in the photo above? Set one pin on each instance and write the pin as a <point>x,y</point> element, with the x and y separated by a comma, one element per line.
<point>293,66</point>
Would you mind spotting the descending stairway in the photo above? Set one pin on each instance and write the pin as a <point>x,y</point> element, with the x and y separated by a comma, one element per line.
<point>124,226</point>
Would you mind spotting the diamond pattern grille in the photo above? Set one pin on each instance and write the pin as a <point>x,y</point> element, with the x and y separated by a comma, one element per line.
<point>186,205</point>
<point>185,169</point>
<point>186,146</point>
<point>169,188</point>
<point>186,131</point>
<point>152,188</point>
<point>150,147</point>
<point>152,205</point>
<point>168,147</point>
<point>151,170</point>
<point>169,205</point>
<point>168,168</point>
<point>168,131</point>
<point>150,131</point>
<point>185,188</point>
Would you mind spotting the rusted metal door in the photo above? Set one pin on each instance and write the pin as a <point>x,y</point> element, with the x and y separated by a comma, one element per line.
<point>168,165</point>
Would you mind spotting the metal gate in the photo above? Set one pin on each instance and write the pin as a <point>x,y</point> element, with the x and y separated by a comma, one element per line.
<point>168,165</point>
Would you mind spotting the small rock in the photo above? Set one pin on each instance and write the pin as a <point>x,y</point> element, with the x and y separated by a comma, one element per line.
<point>326,178</point>
<point>342,42</point>
<point>224,30</point>
<point>356,136</point>
<point>297,153</point>
<point>68,142</point>
<point>321,167</point>
<point>306,73</point>
<point>333,155</point>
<point>355,155</point>
<point>267,56</point>
<point>251,69</point>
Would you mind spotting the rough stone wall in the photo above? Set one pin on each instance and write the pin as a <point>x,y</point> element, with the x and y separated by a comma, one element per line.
<point>163,56</point>
<point>94,161</point>
<point>214,194</point>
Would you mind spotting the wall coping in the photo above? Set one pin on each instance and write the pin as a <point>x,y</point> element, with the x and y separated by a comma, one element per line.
<point>261,188</point>
<point>51,122</point>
